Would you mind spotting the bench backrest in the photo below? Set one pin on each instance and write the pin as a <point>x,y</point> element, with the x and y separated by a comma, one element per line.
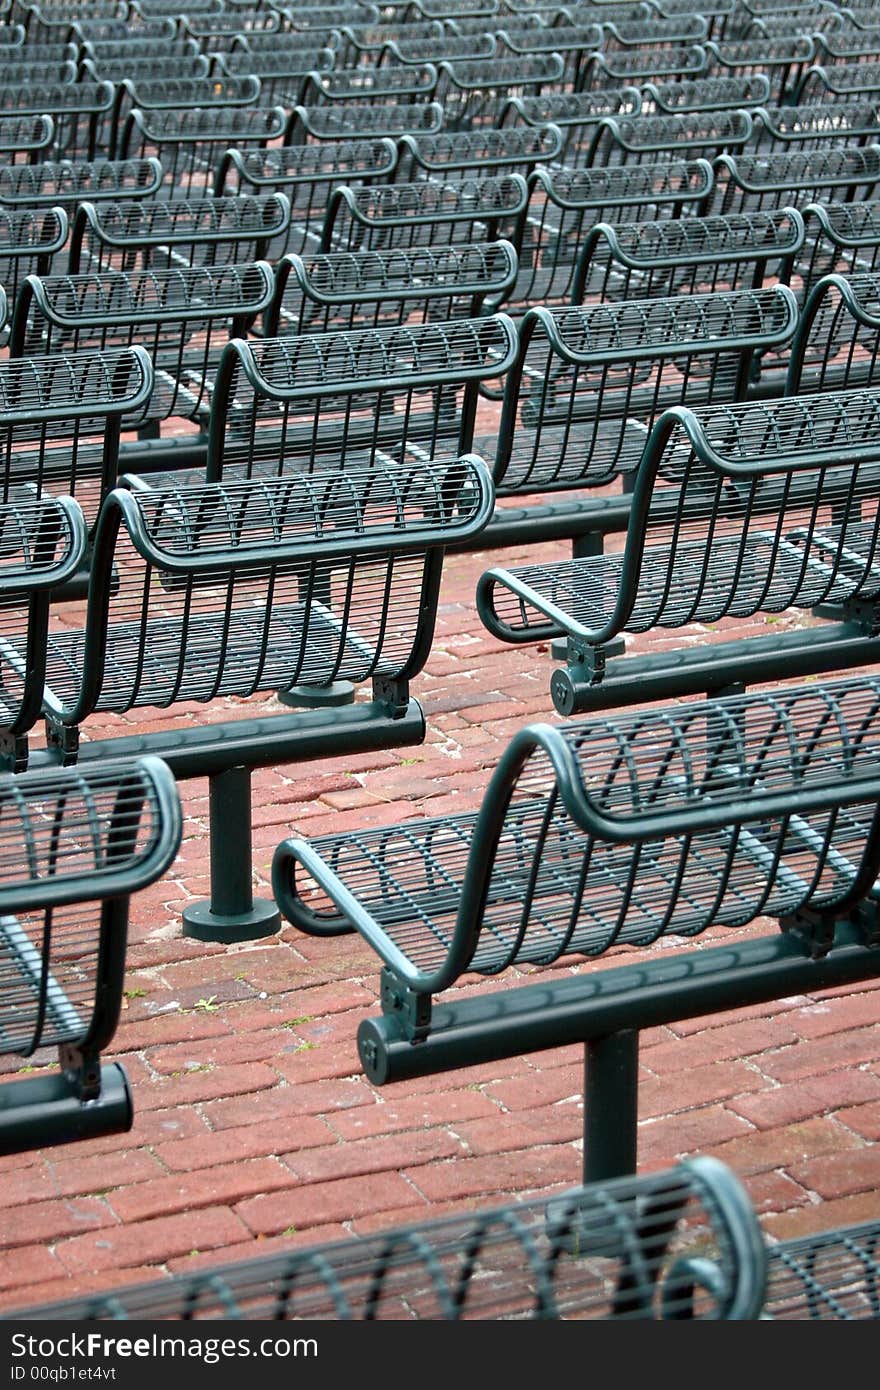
<point>752,182</point>
<point>190,141</point>
<point>76,846</point>
<point>454,153</point>
<point>432,213</point>
<point>694,254</point>
<point>182,317</point>
<point>691,135</point>
<point>841,237</point>
<point>351,290</point>
<point>67,183</point>
<point>61,417</point>
<point>838,339</point>
<point>203,591</point>
<point>621,1249</point>
<point>30,239</point>
<point>159,232</point>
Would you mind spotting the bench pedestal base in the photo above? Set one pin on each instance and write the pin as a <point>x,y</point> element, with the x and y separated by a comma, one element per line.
<point>201,922</point>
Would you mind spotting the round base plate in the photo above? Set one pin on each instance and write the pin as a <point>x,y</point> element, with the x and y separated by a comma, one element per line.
<point>199,921</point>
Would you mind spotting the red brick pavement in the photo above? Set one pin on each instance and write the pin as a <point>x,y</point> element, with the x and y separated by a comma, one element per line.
<point>255,1128</point>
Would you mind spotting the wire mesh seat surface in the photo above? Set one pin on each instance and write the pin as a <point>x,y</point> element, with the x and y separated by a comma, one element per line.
<point>75,846</point>
<point>615,831</point>
<point>683,1243</point>
<point>832,1275</point>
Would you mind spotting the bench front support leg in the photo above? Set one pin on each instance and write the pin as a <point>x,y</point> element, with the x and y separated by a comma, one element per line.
<point>611,1079</point>
<point>232,914</point>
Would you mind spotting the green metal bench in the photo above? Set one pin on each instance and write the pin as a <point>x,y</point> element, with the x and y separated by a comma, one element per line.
<point>754,508</point>
<point>644,138</point>
<point>362,121</point>
<point>812,126</point>
<point>708,93</point>
<point>564,203</point>
<point>75,846</point>
<point>838,336</point>
<point>783,59</point>
<point>839,236</point>
<point>352,290</point>
<point>80,112</point>
<point>576,114</point>
<point>182,317</point>
<point>427,213</point>
<point>456,153</point>
<point>30,240</point>
<point>308,563</point>
<point>190,141</point>
<point>614,837</point>
<point>66,182</point>
<point>25,138</point>
<point>473,92</point>
<point>42,546</point>
<point>680,1244</point>
<point>305,175</point>
<point>694,255</point>
<point>754,182</point>
<point>588,387</point>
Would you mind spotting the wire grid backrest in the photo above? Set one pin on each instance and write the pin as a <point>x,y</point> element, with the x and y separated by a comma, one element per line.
<point>564,203</point>
<point>60,418</point>
<point>752,182</point>
<point>811,126</point>
<point>429,212</point>
<point>352,290</point>
<point>454,153</point>
<point>619,830</point>
<point>783,59</point>
<point>180,94</point>
<point>833,82</point>
<point>131,235</point>
<point>642,139</point>
<point>590,382</point>
<point>190,142</point>
<point>181,316</point>
<point>294,404</point>
<point>30,239</point>
<point>475,92</point>
<point>339,120</point>
<point>306,175</point>
<point>402,82</point>
<point>633,66</point>
<point>708,93</point>
<point>73,846</point>
<point>697,254</point>
<point>627,1248</point>
<point>67,182</point>
<point>25,138</point>
<point>200,592</point>
<point>838,337</point>
<point>80,112</point>
<point>840,237</point>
